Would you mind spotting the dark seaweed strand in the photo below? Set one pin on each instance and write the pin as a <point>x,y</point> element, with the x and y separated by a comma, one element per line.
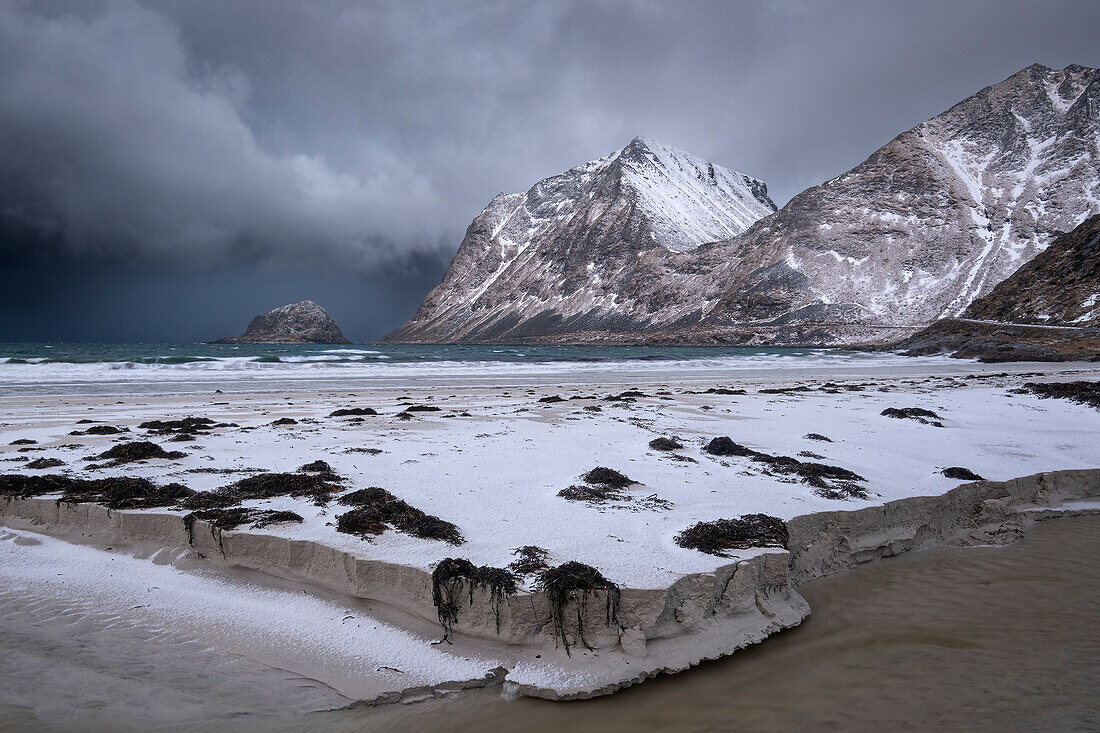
<point>450,572</point>
<point>575,581</point>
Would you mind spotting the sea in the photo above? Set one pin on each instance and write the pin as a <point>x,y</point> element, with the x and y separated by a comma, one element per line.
<point>66,368</point>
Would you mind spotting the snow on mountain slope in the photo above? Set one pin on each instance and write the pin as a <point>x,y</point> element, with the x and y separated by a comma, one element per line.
<point>1060,287</point>
<point>688,200</point>
<point>937,216</point>
<point>563,249</point>
<point>646,245</point>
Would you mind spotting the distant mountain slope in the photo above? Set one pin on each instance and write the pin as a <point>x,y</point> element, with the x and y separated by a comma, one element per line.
<point>1048,310</point>
<point>1061,286</point>
<point>937,216</point>
<point>616,251</point>
<point>573,247</point>
<point>297,323</point>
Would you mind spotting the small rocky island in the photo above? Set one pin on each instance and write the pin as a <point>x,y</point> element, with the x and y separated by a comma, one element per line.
<point>297,323</point>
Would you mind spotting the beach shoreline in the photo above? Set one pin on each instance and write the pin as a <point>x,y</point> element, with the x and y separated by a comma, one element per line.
<point>678,607</point>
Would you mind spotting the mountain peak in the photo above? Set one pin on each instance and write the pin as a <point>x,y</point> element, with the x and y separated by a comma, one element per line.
<point>566,240</point>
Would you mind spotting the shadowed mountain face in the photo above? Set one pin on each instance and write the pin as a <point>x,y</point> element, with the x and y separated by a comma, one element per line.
<point>630,249</point>
<point>297,323</point>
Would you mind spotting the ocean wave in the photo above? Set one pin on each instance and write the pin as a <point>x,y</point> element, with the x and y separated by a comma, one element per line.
<point>179,368</point>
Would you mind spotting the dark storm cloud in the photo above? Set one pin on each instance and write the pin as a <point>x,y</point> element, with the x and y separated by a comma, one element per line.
<point>190,135</point>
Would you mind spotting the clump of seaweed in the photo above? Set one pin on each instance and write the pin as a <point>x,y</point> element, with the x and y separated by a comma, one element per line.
<point>603,476</point>
<point>817,436</point>
<point>665,444</point>
<point>962,474</point>
<point>377,510</point>
<point>284,421</point>
<point>234,517</point>
<point>785,390</point>
<point>724,446</point>
<point>530,559</point>
<point>831,482</point>
<point>350,411</point>
<point>321,469</point>
<point>20,486</point>
<point>101,430</point>
<point>552,399</point>
<point>139,450</point>
<point>1081,392</point>
<point>603,485</point>
<point>368,451</point>
<point>592,494</point>
<point>317,487</point>
<point>124,492</point>
<point>724,391</point>
<point>925,417</point>
<point>722,535</point>
<point>573,583</point>
<point>118,492</point>
<point>39,463</point>
<point>24,441</point>
<point>422,408</point>
<point>451,574</point>
<point>188,426</point>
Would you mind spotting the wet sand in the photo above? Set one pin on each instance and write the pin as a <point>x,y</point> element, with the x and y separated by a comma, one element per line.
<point>948,639</point>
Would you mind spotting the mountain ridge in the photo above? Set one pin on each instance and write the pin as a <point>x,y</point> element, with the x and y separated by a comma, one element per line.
<point>926,224</point>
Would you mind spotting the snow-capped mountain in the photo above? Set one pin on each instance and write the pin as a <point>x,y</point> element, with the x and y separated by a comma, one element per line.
<point>623,249</point>
<point>936,217</point>
<point>563,256</point>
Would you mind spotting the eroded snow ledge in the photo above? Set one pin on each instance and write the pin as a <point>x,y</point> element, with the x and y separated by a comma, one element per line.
<point>700,616</point>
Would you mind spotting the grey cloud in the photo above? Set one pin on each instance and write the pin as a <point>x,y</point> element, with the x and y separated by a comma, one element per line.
<point>343,136</point>
<point>121,142</point>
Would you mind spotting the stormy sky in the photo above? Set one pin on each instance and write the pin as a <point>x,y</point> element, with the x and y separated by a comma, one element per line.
<point>170,169</point>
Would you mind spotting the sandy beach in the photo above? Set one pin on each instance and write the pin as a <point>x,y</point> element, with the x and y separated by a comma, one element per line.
<point>504,462</point>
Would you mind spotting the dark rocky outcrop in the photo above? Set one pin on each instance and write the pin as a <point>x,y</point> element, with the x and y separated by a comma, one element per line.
<point>297,323</point>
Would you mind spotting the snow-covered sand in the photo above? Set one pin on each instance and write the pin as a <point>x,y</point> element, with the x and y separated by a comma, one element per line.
<point>320,640</point>
<point>493,458</point>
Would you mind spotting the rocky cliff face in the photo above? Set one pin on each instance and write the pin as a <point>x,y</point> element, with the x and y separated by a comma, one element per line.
<point>931,221</point>
<point>297,323</point>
